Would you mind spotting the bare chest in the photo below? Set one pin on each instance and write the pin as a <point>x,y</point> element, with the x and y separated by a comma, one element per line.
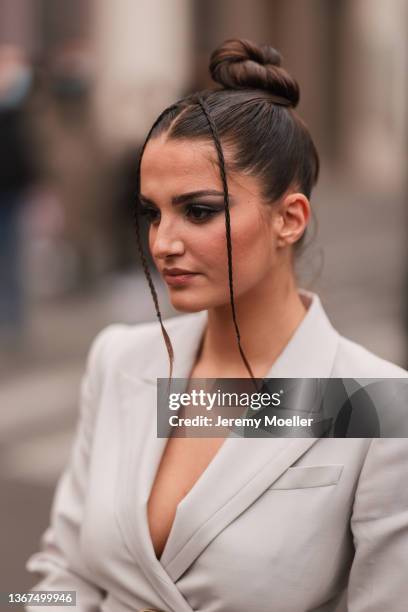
<point>183,462</point>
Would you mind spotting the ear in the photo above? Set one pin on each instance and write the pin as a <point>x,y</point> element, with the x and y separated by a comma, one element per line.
<point>293,215</point>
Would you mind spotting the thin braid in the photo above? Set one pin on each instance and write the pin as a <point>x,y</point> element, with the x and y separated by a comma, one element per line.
<point>140,248</point>
<point>221,160</point>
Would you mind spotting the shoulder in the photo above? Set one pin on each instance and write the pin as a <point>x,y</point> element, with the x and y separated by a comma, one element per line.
<point>119,344</point>
<point>355,361</point>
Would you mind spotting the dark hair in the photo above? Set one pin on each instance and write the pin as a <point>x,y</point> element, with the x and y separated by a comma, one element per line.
<point>251,113</point>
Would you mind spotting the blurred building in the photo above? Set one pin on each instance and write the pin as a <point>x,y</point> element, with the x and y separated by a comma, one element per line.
<point>350,57</point>
<point>147,52</point>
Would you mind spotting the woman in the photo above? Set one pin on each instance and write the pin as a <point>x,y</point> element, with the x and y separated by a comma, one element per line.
<point>227,523</point>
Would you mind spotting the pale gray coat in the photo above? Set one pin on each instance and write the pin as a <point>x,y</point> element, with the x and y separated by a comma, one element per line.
<point>272,525</point>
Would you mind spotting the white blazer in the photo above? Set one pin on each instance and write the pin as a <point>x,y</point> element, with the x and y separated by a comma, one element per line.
<point>272,525</point>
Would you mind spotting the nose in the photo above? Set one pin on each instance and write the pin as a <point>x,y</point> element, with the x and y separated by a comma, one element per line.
<point>164,243</point>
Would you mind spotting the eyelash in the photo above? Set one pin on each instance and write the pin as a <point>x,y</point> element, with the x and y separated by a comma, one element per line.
<point>210,211</point>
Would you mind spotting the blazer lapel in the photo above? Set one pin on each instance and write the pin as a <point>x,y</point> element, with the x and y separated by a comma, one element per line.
<point>140,455</point>
<point>222,492</point>
<point>141,450</point>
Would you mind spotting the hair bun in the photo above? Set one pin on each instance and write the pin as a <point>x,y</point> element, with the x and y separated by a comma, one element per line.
<point>239,63</point>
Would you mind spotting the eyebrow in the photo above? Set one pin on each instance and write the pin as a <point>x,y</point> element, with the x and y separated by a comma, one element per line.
<point>185,197</point>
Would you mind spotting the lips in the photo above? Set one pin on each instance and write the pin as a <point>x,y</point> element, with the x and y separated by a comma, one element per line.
<point>176,272</point>
<point>177,277</point>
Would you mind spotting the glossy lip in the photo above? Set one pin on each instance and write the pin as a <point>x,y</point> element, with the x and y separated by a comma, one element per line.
<point>177,277</point>
<point>176,271</point>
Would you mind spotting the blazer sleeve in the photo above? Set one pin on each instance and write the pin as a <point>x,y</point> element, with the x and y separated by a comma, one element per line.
<point>59,561</point>
<point>378,578</point>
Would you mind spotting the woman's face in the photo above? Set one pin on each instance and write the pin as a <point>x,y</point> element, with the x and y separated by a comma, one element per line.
<point>182,197</point>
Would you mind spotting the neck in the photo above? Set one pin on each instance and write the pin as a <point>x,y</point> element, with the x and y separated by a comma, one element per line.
<point>267,318</point>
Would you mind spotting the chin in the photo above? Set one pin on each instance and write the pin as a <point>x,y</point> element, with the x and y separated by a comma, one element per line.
<point>188,305</point>
<point>183,301</point>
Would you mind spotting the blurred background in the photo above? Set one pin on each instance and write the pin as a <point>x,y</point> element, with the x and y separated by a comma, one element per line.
<point>80,84</point>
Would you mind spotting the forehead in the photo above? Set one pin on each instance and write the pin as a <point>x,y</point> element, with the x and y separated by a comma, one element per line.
<point>174,165</point>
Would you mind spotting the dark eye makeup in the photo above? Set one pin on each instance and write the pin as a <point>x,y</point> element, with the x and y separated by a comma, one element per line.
<point>196,213</point>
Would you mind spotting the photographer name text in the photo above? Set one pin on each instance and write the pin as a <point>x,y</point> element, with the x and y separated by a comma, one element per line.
<point>256,422</point>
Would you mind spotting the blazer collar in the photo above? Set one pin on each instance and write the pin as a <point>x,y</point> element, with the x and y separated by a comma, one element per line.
<point>309,353</point>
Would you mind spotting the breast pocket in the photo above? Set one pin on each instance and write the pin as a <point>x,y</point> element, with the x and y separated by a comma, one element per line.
<point>302,477</point>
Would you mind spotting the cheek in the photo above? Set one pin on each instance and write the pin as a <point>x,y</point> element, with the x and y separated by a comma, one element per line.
<point>207,245</point>
<point>252,249</point>
<point>212,245</point>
